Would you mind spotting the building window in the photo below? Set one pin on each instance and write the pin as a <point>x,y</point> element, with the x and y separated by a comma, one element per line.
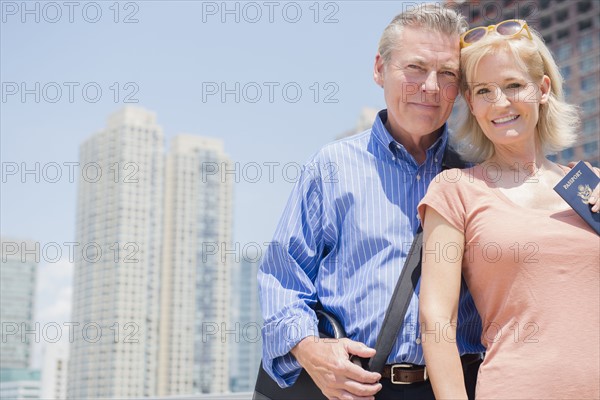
<point>546,22</point>
<point>586,43</point>
<point>590,127</point>
<point>567,92</point>
<point>527,11</point>
<point>589,106</point>
<point>548,39</point>
<point>563,52</point>
<point>508,15</point>
<point>583,25</point>
<point>587,64</point>
<point>563,33</point>
<point>566,72</point>
<point>562,15</point>
<point>588,84</point>
<point>544,3</point>
<point>590,149</point>
<point>492,11</point>
<point>567,154</point>
<point>584,5</point>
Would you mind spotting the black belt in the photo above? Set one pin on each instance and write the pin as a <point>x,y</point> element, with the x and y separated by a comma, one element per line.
<point>404,374</point>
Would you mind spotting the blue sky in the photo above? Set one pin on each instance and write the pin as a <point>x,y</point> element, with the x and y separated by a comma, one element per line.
<point>163,57</point>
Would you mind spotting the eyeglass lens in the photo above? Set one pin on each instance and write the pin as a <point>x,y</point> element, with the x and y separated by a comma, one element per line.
<point>475,35</point>
<point>506,28</point>
<point>509,28</point>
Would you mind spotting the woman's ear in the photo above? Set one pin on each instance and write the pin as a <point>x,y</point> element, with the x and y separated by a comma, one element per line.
<point>545,88</point>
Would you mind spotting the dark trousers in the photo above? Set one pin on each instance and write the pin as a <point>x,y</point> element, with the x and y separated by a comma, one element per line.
<point>423,391</point>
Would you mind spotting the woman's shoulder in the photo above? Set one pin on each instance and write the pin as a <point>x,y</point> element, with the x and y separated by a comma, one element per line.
<point>458,176</point>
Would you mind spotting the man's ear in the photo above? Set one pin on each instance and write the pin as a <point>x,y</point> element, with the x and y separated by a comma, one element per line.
<point>545,87</point>
<point>379,70</point>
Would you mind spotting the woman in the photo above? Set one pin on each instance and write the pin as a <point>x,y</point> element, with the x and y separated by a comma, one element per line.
<point>531,263</point>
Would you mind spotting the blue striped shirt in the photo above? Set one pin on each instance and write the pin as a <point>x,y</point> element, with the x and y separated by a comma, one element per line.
<point>344,236</point>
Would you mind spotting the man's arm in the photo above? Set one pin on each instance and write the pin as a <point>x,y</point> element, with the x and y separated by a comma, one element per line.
<point>286,279</point>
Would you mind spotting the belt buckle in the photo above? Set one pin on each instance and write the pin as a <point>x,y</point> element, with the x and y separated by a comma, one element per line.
<point>407,366</point>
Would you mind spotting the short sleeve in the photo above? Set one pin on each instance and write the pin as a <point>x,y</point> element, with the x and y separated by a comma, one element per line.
<point>447,195</point>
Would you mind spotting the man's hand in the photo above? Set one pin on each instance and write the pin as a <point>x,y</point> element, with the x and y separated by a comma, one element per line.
<point>594,200</point>
<point>328,363</point>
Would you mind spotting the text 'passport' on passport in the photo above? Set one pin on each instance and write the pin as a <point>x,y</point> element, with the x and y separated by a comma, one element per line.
<point>576,188</point>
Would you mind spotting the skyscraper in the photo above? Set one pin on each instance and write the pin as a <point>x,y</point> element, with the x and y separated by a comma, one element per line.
<point>571,29</point>
<point>18,273</point>
<point>54,371</point>
<point>195,301</point>
<point>246,319</point>
<point>17,384</point>
<point>116,274</point>
<point>18,276</point>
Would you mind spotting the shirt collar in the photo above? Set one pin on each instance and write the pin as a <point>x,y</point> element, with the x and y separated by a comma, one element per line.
<point>394,149</point>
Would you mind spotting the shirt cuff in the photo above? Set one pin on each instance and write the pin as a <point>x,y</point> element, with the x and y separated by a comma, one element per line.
<point>278,339</point>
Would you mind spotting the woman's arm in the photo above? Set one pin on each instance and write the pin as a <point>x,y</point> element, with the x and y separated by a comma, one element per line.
<point>443,248</point>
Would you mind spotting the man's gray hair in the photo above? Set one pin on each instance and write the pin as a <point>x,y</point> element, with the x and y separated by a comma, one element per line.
<point>430,16</point>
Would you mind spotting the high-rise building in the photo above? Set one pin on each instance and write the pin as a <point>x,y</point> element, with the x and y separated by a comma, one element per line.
<point>246,321</point>
<point>114,353</point>
<point>54,371</point>
<point>152,286</point>
<point>571,29</point>
<point>195,292</point>
<point>18,275</point>
<point>19,383</point>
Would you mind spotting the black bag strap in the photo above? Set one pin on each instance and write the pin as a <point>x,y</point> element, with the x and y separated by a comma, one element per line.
<point>405,287</point>
<point>394,316</point>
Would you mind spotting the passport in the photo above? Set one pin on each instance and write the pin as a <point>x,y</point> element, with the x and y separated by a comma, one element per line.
<point>575,188</point>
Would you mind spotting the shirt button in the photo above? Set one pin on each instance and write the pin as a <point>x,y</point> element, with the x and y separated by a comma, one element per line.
<point>435,159</point>
<point>418,217</point>
<point>418,177</point>
<point>393,158</point>
<point>418,340</point>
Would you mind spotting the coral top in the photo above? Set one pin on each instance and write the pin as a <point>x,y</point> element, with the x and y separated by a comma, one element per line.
<point>534,275</point>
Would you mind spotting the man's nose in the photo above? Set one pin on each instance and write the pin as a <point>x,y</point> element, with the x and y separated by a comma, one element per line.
<point>431,83</point>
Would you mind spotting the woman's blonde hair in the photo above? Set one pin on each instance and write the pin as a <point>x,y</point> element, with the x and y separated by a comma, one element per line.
<point>558,121</point>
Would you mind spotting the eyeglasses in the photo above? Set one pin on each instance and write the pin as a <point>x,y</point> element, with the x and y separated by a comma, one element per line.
<point>510,27</point>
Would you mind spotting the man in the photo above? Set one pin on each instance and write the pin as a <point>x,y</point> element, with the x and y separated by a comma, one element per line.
<point>351,218</point>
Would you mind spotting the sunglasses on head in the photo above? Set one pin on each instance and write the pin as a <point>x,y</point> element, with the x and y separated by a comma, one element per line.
<point>510,27</point>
